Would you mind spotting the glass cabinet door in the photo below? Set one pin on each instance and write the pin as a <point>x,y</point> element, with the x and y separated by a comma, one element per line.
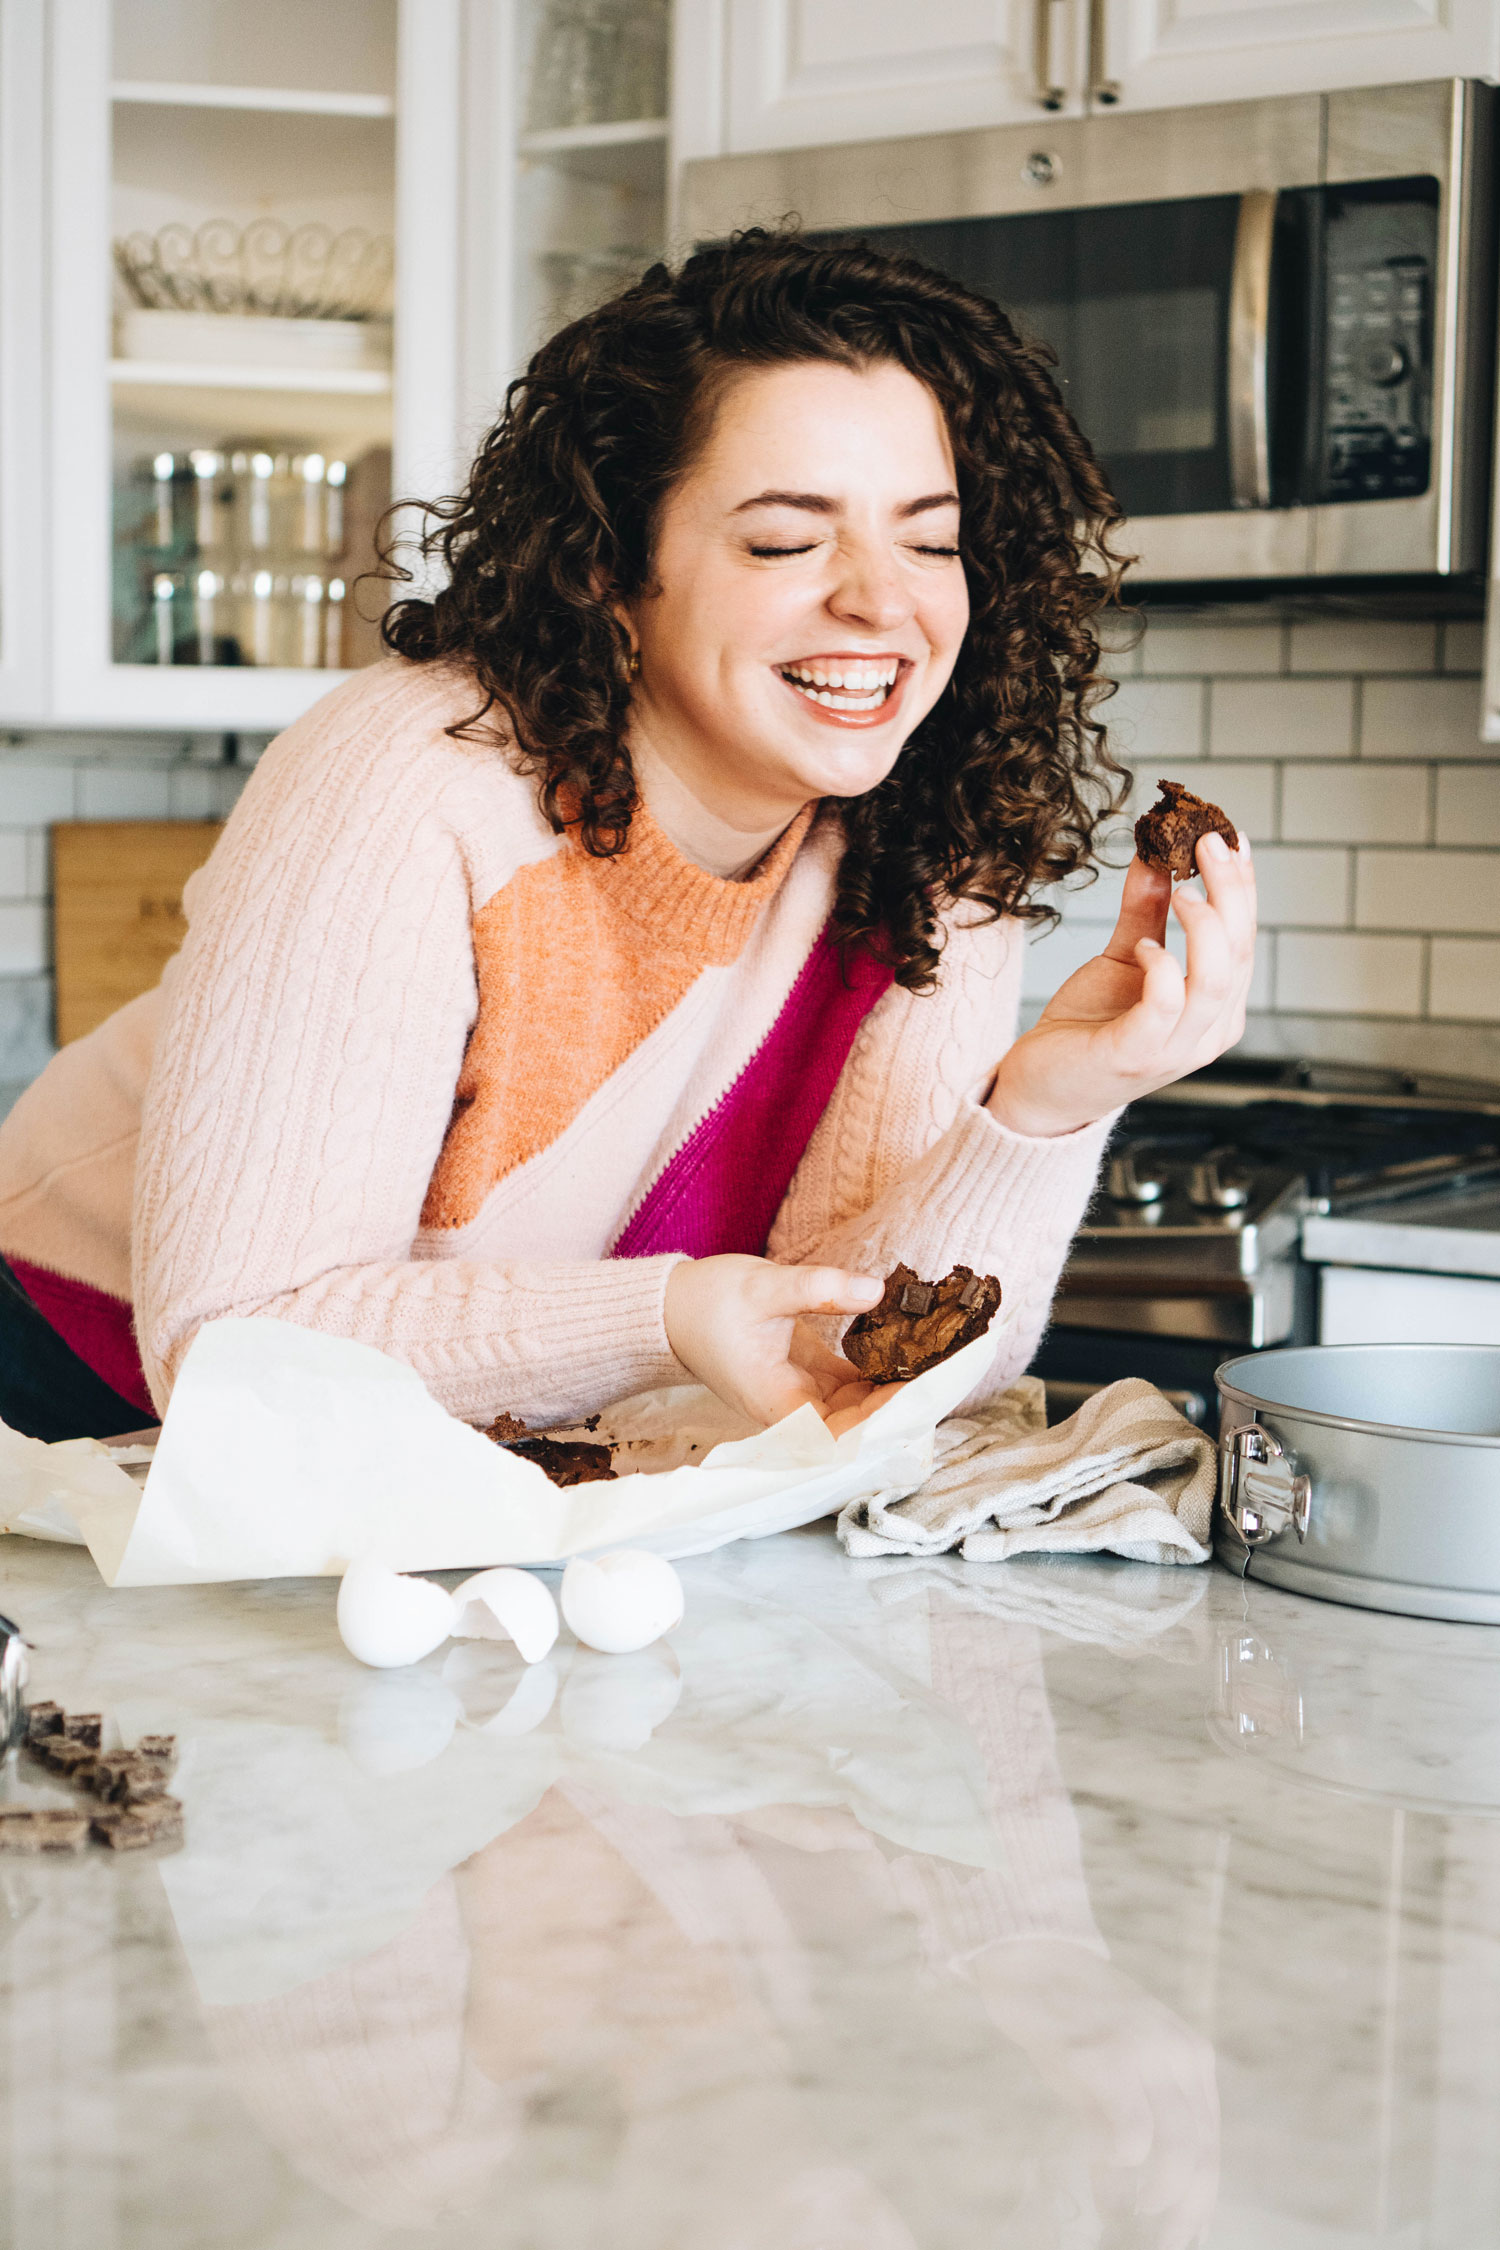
<point>252,216</point>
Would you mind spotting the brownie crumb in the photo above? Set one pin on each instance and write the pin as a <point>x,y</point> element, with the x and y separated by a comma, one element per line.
<point>1169,834</point>
<point>42,1828</point>
<point>918,1324</point>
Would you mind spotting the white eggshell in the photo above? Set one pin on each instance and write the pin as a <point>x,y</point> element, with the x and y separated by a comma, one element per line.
<point>397,1721</point>
<point>506,1605</point>
<point>618,1704</point>
<point>622,1601</point>
<point>385,1619</point>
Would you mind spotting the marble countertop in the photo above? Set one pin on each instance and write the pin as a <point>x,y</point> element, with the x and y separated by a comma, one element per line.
<point>896,1906</point>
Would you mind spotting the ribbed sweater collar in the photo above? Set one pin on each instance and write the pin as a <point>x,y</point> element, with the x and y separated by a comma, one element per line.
<point>687,910</point>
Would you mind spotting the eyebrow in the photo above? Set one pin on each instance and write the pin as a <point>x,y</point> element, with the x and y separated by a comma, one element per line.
<point>820,504</point>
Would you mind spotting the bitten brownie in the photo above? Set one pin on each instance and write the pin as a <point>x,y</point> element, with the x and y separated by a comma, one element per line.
<point>1167,836</point>
<point>562,1459</point>
<point>918,1323</point>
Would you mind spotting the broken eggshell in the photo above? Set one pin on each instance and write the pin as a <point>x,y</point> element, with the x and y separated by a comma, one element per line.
<point>506,1605</point>
<point>386,1619</point>
<point>622,1601</point>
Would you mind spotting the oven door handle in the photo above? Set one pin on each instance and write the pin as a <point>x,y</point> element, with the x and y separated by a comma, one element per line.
<point>1249,351</point>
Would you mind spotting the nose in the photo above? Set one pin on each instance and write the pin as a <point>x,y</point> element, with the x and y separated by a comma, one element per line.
<point>870,590</point>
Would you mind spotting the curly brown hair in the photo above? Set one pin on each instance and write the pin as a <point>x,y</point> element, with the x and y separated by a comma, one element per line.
<point>1000,789</point>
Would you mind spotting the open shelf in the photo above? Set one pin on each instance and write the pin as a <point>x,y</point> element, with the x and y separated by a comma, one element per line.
<point>296,100</point>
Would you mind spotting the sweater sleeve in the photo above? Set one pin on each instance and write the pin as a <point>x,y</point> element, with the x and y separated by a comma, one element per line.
<point>314,1025</point>
<point>907,1163</point>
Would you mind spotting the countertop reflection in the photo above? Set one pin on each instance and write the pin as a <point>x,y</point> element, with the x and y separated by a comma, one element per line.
<point>895,1906</point>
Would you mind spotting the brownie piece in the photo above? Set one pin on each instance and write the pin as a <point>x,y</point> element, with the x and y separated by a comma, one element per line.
<point>564,1460</point>
<point>1168,835</point>
<point>128,1828</point>
<point>42,1828</point>
<point>161,1749</point>
<point>60,1755</point>
<point>917,1324</point>
<point>84,1726</point>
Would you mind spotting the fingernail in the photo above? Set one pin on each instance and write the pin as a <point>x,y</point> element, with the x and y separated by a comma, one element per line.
<point>868,1292</point>
<point>1214,846</point>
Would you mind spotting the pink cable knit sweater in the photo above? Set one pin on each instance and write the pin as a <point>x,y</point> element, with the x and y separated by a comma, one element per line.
<point>295,1107</point>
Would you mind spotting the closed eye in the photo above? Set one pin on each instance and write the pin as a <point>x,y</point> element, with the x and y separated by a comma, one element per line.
<point>807,550</point>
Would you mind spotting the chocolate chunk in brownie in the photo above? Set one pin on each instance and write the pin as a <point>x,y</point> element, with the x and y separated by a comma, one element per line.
<point>42,1828</point>
<point>125,1828</point>
<point>1168,835</point>
<point>917,1324</point>
<point>564,1460</point>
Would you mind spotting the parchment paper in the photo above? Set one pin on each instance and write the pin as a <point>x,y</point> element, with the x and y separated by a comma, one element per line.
<point>287,1454</point>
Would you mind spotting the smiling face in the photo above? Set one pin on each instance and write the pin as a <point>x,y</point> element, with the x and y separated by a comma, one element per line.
<point>808,601</point>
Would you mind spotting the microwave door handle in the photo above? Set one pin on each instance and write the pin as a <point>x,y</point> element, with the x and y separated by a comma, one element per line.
<point>1249,351</point>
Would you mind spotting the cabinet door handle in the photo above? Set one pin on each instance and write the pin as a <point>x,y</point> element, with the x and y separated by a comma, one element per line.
<point>1249,351</point>
<point>1048,93</point>
<point>1102,88</point>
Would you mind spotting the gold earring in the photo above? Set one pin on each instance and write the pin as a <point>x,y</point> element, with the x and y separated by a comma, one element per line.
<point>632,668</point>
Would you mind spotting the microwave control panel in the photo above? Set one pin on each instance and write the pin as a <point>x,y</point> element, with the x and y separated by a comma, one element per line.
<point>1379,261</point>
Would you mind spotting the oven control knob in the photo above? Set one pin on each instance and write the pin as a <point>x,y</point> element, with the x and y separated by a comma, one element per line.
<point>1385,364</point>
<point>1209,1190</point>
<point>1123,1184</point>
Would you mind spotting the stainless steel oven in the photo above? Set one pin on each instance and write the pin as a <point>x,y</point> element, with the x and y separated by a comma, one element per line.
<point>1274,319</point>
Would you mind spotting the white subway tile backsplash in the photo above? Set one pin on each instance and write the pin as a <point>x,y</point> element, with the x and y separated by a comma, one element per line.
<point>1334,974</point>
<point>1209,649</point>
<point>1052,958</point>
<point>23,939</point>
<point>1437,718</point>
<point>1468,806</point>
<point>1302,888</point>
<point>1149,720</point>
<point>1463,645</point>
<point>1281,718</point>
<point>1098,901</point>
<point>194,793</point>
<point>38,863</point>
<point>1354,803</point>
<point>31,795</point>
<point>124,793</point>
<point>15,864</point>
<point>1363,646</point>
<point>1465,979</point>
<point>1439,890</point>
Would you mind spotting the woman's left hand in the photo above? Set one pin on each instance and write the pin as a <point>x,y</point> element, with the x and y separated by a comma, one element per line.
<point>1130,1020</point>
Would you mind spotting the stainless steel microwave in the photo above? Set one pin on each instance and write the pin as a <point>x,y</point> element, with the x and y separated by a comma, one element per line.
<point>1275,320</point>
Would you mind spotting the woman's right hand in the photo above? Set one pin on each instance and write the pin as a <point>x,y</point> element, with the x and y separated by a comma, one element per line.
<point>737,1324</point>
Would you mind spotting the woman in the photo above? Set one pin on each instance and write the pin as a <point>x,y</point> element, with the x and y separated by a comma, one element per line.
<point>628,972</point>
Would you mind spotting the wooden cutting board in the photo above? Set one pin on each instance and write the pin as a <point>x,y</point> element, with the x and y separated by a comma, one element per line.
<point>117,910</point>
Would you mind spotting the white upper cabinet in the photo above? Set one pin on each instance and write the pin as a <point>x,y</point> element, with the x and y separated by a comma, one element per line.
<point>800,72</point>
<point>769,74</point>
<point>1153,54</point>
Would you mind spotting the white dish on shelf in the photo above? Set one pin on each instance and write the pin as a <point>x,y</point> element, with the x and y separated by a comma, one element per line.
<point>247,340</point>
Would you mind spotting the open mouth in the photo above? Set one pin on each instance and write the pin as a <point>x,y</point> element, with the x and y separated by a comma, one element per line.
<point>854,687</point>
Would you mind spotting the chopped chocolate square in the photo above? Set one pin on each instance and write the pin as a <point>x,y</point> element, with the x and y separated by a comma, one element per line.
<point>84,1726</point>
<point>42,1828</point>
<point>43,1719</point>
<point>125,1828</point>
<point>124,1777</point>
<point>1169,834</point>
<point>564,1460</point>
<point>161,1749</point>
<point>60,1755</point>
<point>917,1324</point>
